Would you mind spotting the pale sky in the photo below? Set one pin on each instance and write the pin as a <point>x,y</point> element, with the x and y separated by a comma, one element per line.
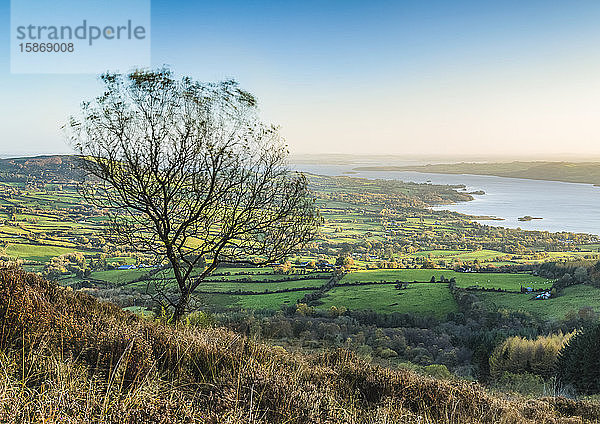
<point>404,77</point>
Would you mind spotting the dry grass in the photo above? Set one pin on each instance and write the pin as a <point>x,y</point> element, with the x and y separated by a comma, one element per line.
<point>67,358</point>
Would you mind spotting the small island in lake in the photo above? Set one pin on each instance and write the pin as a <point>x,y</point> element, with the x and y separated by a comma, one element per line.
<point>528,218</point>
<point>485,218</point>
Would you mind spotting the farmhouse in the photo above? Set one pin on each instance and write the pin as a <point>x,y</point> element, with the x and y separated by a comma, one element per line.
<point>543,296</point>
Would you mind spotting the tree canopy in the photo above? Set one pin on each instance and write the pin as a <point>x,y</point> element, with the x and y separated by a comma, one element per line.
<point>188,172</point>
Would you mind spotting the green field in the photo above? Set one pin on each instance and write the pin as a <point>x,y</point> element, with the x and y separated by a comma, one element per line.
<point>244,271</point>
<point>258,277</point>
<point>246,279</point>
<point>35,252</point>
<point>260,287</point>
<point>418,298</point>
<point>512,282</point>
<point>481,255</point>
<point>572,298</point>
<point>271,301</point>
<point>463,279</point>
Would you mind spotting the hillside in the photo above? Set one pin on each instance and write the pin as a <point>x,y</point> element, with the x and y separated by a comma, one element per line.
<point>49,168</point>
<point>572,172</point>
<point>68,358</point>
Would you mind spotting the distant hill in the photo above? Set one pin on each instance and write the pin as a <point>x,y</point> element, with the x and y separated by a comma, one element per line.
<point>47,168</point>
<point>572,172</point>
<point>67,357</point>
<point>63,167</point>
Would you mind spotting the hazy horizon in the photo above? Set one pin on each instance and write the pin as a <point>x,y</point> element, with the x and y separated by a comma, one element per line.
<point>459,79</point>
<point>342,158</point>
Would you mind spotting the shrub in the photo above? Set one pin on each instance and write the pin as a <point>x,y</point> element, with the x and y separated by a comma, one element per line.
<point>525,384</point>
<point>437,371</point>
<point>387,353</point>
<point>200,319</point>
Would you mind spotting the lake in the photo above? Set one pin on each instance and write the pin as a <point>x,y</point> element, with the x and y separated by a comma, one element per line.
<point>563,206</point>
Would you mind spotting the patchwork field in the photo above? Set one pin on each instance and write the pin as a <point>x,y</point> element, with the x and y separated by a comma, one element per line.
<point>385,227</point>
<point>376,290</point>
<point>432,299</point>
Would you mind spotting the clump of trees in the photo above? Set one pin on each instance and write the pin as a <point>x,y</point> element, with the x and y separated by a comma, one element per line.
<point>345,262</point>
<point>74,262</point>
<point>519,355</point>
<point>571,272</point>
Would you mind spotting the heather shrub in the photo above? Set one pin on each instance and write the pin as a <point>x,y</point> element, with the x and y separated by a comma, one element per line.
<point>525,384</point>
<point>67,358</point>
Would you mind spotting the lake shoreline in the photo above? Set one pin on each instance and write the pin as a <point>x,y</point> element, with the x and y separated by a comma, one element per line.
<point>564,206</point>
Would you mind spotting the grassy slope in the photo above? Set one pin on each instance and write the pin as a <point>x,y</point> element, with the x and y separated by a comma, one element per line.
<point>69,358</point>
<point>419,298</point>
<point>571,299</point>
<point>272,301</point>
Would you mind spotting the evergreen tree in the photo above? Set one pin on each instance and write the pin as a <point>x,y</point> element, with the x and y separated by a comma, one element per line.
<point>578,361</point>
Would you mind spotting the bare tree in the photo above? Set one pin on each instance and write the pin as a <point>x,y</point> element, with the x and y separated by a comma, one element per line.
<point>190,174</point>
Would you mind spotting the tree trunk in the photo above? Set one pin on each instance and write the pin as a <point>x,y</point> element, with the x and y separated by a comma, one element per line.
<point>181,307</point>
